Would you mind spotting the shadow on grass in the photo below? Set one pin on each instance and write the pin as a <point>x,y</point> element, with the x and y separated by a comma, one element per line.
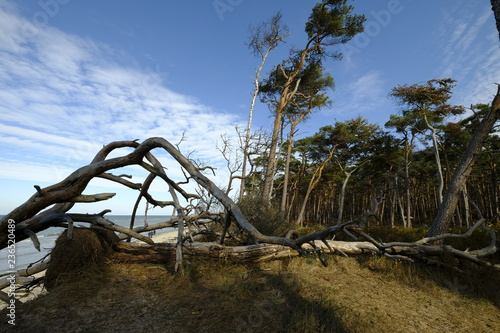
<point>247,298</point>
<point>465,278</point>
<point>468,280</point>
<point>211,296</point>
<point>290,295</point>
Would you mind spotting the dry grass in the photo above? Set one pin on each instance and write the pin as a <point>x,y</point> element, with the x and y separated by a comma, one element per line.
<point>365,294</point>
<point>84,254</point>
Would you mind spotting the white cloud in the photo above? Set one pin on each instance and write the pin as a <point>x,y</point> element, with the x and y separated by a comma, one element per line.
<point>469,57</point>
<point>360,96</point>
<point>62,97</point>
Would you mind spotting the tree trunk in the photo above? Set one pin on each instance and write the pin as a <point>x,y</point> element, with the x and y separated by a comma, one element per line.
<point>284,196</point>
<point>268,176</point>
<point>495,5</point>
<point>312,184</point>
<point>285,98</point>
<point>439,168</point>
<point>165,252</point>
<point>276,163</point>
<point>408,147</point>
<point>249,123</point>
<point>344,186</point>
<point>442,221</point>
<point>466,206</point>
<point>293,126</point>
<point>342,196</point>
<point>399,200</point>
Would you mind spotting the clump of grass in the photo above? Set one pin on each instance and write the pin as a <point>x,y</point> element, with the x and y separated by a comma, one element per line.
<point>80,257</point>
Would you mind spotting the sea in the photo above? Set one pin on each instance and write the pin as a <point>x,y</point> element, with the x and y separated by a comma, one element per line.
<point>26,254</point>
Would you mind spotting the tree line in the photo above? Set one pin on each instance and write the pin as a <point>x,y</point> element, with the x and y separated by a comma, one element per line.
<point>401,168</point>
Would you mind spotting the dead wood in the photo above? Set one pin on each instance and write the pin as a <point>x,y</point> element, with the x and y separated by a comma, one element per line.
<point>165,252</point>
<point>49,207</point>
<point>24,276</point>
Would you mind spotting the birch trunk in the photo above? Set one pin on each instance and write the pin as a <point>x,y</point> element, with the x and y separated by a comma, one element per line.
<point>249,123</point>
<point>439,168</point>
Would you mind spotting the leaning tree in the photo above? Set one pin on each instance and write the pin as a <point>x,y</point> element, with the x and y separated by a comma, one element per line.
<point>332,22</point>
<point>495,4</point>
<point>443,218</point>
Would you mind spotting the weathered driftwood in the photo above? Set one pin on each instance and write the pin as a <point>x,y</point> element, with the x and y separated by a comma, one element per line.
<point>165,252</point>
<point>95,219</point>
<point>23,276</point>
<point>204,220</point>
<point>419,250</point>
<point>62,194</point>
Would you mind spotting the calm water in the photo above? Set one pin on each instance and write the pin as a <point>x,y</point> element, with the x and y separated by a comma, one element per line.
<point>27,254</point>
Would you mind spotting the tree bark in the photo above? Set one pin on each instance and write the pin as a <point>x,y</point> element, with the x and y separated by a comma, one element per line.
<point>348,175</point>
<point>342,196</point>
<point>312,243</point>
<point>312,184</point>
<point>408,149</point>
<point>442,221</point>
<point>495,5</point>
<point>284,196</point>
<point>285,97</point>
<point>249,123</point>
<point>293,126</point>
<point>439,168</point>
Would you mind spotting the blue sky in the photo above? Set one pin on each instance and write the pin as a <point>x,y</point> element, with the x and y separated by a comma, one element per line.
<point>75,75</point>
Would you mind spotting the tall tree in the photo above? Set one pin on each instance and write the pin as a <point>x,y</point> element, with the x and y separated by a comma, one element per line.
<point>442,221</point>
<point>318,149</point>
<point>330,23</point>
<point>355,138</point>
<point>406,126</point>
<point>495,5</point>
<point>382,172</point>
<point>310,95</point>
<point>427,104</point>
<point>263,39</point>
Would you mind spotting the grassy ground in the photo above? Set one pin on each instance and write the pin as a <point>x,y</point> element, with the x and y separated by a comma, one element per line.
<point>358,294</point>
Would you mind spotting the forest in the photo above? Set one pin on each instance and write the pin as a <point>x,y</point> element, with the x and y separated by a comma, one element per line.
<point>336,173</point>
<point>422,170</point>
<point>348,167</point>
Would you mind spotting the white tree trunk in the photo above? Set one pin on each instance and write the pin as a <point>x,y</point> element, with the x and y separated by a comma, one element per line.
<point>439,168</point>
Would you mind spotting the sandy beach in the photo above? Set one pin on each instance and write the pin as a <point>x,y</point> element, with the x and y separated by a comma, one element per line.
<point>164,237</point>
<point>25,295</point>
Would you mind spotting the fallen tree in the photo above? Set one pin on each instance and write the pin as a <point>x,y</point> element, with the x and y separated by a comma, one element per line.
<point>419,250</point>
<point>49,207</point>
